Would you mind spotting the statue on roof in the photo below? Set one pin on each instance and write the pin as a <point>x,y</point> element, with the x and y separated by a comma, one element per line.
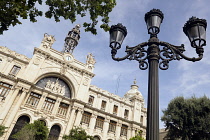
<point>90,59</point>
<point>48,41</point>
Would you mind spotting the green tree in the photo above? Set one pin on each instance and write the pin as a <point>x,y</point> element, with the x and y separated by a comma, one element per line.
<point>77,134</point>
<point>32,131</point>
<point>188,119</point>
<point>138,136</point>
<point>2,130</point>
<point>11,11</point>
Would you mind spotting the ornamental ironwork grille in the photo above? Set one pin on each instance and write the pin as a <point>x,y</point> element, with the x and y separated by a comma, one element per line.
<point>33,100</point>
<point>4,89</point>
<point>99,122</point>
<point>86,118</point>
<point>62,110</point>
<point>103,105</point>
<point>112,126</point>
<point>124,130</point>
<point>90,100</point>
<point>48,105</point>
<point>115,109</point>
<point>14,71</point>
<point>126,113</point>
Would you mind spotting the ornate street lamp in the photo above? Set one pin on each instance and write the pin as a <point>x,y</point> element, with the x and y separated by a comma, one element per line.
<point>151,55</point>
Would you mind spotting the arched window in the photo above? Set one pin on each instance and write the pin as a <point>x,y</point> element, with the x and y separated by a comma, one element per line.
<point>43,122</point>
<point>54,132</point>
<point>55,85</point>
<point>96,138</point>
<point>19,124</point>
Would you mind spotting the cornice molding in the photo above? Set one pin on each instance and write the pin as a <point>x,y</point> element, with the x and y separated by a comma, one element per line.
<point>9,53</point>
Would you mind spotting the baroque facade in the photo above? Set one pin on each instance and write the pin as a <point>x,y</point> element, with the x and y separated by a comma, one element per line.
<point>55,88</point>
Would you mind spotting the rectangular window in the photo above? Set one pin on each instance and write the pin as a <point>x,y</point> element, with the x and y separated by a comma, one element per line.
<point>126,114</point>
<point>4,89</point>
<point>15,70</point>
<point>112,126</point>
<point>124,130</point>
<point>48,105</point>
<point>33,100</point>
<point>90,100</point>
<point>86,118</point>
<point>99,122</point>
<point>62,110</point>
<point>103,105</point>
<point>115,109</point>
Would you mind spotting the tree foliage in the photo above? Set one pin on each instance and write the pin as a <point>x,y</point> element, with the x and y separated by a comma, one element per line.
<point>77,134</point>
<point>138,136</point>
<point>2,130</point>
<point>188,119</point>
<point>11,11</point>
<point>32,131</point>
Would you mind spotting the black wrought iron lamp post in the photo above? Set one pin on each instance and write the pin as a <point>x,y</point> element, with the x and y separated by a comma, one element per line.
<point>156,53</point>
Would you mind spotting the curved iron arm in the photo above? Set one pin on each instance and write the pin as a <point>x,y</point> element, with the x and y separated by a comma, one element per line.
<point>138,53</point>
<point>168,53</point>
<point>172,52</point>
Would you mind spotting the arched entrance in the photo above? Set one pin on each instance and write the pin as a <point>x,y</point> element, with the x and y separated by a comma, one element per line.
<point>54,132</point>
<point>96,138</point>
<point>22,120</point>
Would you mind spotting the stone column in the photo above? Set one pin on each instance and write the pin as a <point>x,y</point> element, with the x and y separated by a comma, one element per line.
<point>118,129</point>
<point>56,106</point>
<point>106,127</point>
<point>132,132</point>
<point>70,121</point>
<point>129,133</point>
<point>16,107</point>
<point>92,122</point>
<point>79,117</point>
<point>41,101</point>
<point>8,103</point>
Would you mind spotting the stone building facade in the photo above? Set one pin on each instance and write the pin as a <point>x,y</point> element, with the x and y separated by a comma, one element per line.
<point>55,88</point>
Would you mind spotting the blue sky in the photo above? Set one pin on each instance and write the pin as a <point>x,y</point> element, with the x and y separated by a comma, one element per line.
<point>183,78</point>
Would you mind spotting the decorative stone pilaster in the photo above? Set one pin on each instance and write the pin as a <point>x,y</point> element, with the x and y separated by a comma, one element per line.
<point>133,132</point>
<point>41,101</point>
<point>10,99</point>
<point>70,121</point>
<point>118,128</point>
<point>78,117</point>
<point>106,127</point>
<point>129,133</point>
<point>56,106</point>
<point>16,107</point>
<point>92,123</point>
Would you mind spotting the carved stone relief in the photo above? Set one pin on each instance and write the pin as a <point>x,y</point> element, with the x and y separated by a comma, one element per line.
<point>85,82</point>
<point>55,87</point>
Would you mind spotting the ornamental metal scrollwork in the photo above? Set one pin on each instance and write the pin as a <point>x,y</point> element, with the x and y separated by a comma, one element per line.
<point>138,53</point>
<point>167,53</point>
